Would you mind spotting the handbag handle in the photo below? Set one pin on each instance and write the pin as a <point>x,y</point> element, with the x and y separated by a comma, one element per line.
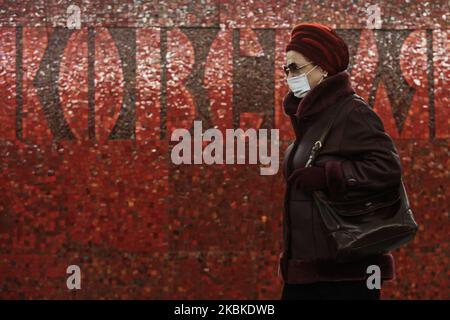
<point>319,143</point>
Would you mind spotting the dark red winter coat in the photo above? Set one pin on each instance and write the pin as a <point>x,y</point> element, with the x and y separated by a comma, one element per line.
<point>357,159</point>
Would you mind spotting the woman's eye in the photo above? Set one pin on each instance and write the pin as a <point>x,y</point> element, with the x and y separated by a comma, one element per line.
<point>295,68</point>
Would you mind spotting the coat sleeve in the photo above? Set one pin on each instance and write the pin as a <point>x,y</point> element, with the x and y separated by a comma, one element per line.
<point>285,160</point>
<point>371,160</point>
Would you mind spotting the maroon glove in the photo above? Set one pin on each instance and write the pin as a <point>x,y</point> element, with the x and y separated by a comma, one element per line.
<point>309,179</point>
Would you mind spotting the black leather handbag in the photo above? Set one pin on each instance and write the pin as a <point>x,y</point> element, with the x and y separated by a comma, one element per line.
<point>373,225</point>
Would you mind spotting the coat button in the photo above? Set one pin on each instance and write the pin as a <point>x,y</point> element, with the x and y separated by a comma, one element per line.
<point>351,180</point>
<point>368,204</point>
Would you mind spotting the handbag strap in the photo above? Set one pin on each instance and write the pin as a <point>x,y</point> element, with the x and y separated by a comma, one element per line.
<point>319,143</point>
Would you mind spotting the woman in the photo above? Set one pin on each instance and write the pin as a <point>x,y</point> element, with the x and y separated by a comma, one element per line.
<point>357,159</point>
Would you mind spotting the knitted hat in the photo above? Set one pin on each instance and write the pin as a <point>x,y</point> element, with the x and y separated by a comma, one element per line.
<point>321,45</point>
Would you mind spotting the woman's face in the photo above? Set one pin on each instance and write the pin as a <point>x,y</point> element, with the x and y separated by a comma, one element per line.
<point>313,77</point>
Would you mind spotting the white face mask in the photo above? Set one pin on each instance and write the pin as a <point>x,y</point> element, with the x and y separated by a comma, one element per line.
<point>299,85</point>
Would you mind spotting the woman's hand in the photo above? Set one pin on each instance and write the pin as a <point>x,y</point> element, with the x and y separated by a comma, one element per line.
<point>309,179</point>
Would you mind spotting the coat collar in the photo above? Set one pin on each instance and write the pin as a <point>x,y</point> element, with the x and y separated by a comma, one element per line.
<point>324,95</point>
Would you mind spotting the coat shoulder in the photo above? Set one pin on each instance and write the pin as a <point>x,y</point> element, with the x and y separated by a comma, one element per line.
<point>356,104</point>
<point>358,111</point>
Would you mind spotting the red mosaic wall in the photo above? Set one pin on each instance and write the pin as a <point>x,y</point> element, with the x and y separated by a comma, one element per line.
<point>86,116</point>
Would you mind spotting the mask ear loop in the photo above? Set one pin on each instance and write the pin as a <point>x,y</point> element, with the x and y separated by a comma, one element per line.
<point>323,77</point>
